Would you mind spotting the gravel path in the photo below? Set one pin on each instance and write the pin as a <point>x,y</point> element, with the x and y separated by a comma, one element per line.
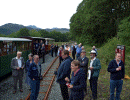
<point>6,86</point>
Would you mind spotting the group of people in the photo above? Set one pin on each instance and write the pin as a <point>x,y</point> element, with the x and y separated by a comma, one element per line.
<point>78,81</point>
<point>33,73</point>
<point>72,74</point>
<point>39,49</point>
<point>54,48</point>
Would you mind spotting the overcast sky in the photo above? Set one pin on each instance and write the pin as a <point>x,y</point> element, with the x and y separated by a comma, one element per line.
<point>41,13</point>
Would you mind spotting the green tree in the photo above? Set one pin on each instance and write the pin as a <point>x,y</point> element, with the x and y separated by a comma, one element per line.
<point>34,33</point>
<point>44,33</point>
<point>124,31</point>
<point>24,32</point>
<point>96,20</point>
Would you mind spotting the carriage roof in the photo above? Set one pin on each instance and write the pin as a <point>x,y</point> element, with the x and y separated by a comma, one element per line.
<point>8,39</point>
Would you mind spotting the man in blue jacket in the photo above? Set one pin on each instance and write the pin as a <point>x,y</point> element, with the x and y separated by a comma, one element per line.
<point>117,70</point>
<point>64,71</point>
<point>94,67</point>
<point>34,74</point>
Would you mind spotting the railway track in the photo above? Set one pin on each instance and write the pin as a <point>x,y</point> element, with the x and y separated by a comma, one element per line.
<point>48,79</point>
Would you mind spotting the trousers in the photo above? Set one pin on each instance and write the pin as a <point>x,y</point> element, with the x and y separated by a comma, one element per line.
<point>93,86</point>
<point>118,85</point>
<point>16,78</point>
<point>35,86</point>
<point>64,91</point>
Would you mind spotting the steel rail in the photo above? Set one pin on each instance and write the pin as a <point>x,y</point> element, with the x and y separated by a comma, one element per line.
<point>47,93</point>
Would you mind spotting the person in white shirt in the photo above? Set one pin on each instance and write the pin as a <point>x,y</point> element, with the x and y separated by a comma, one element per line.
<point>17,65</point>
<point>94,70</point>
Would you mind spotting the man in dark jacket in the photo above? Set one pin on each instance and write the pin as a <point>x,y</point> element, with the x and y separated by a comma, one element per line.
<point>43,53</point>
<point>117,70</point>
<point>34,74</point>
<point>84,64</point>
<point>64,71</point>
<point>56,49</point>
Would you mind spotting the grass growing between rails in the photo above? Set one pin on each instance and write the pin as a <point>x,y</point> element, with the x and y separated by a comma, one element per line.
<point>105,54</point>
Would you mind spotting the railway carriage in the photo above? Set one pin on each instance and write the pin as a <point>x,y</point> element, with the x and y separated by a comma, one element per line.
<point>10,46</point>
<point>8,50</point>
<point>48,43</point>
<point>34,39</point>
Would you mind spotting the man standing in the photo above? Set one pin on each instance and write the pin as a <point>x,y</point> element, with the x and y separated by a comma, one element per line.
<point>36,47</point>
<point>34,74</point>
<point>73,51</point>
<point>56,49</point>
<point>43,53</point>
<point>52,49</point>
<point>117,70</point>
<point>84,64</point>
<point>64,71</point>
<point>78,51</point>
<point>17,65</point>
<point>95,67</point>
<point>60,54</point>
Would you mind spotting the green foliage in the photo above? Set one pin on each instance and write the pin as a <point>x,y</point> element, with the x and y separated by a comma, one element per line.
<point>2,35</point>
<point>34,33</point>
<point>14,34</point>
<point>98,20</point>
<point>24,32</point>
<point>107,52</point>
<point>44,33</point>
<point>124,31</point>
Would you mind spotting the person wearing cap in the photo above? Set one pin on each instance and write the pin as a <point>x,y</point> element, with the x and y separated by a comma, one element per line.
<point>94,70</point>
<point>84,64</point>
<point>94,48</point>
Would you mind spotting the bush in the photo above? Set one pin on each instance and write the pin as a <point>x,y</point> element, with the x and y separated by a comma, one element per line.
<point>124,31</point>
<point>107,52</point>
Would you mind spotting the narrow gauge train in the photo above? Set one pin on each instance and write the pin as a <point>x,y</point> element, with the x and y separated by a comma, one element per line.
<point>9,47</point>
<point>8,50</point>
<point>46,41</point>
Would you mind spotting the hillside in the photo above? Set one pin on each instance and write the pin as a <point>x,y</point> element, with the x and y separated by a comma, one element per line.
<point>10,28</point>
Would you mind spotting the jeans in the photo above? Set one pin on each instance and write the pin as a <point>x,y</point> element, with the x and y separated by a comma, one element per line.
<point>118,85</point>
<point>35,86</point>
